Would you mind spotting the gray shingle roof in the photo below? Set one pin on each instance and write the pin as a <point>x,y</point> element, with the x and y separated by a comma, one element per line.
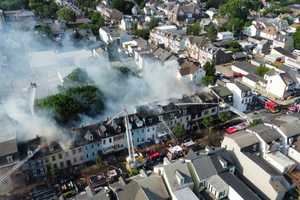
<point>239,186</point>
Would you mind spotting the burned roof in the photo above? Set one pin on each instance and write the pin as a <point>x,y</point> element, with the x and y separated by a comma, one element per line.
<point>221,91</point>
<point>8,146</point>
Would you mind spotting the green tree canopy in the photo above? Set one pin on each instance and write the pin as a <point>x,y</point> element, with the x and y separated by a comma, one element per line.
<point>44,9</point>
<point>66,14</point>
<point>262,70</point>
<point>296,37</point>
<point>67,105</point>
<point>123,6</point>
<point>179,130</point>
<point>210,71</point>
<point>237,12</point>
<point>207,121</point>
<point>211,32</point>
<point>193,29</point>
<point>11,4</point>
<point>233,46</point>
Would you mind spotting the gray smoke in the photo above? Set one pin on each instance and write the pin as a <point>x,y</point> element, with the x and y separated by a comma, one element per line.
<point>19,49</point>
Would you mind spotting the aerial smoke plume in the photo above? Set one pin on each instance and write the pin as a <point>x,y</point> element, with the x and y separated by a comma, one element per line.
<point>19,69</point>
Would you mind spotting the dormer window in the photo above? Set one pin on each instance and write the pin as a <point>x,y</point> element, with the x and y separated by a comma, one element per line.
<point>9,159</point>
<point>179,177</point>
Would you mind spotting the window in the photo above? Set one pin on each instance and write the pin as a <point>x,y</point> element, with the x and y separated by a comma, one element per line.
<point>53,158</point>
<point>9,159</point>
<point>137,140</point>
<point>60,156</point>
<point>74,160</point>
<point>61,164</point>
<point>92,146</point>
<point>87,155</point>
<point>54,165</point>
<point>104,141</point>
<point>79,150</point>
<point>110,140</point>
<point>74,151</point>
<point>93,154</point>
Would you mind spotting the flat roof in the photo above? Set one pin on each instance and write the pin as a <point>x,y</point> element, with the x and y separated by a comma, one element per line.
<point>268,134</point>
<point>244,138</point>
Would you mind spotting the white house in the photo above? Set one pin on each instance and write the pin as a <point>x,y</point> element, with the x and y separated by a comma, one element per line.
<point>108,35</point>
<point>191,72</point>
<point>242,96</point>
<point>278,84</point>
<point>126,22</point>
<point>225,36</point>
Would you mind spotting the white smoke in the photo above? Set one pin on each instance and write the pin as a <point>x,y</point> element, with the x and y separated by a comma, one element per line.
<point>156,82</point>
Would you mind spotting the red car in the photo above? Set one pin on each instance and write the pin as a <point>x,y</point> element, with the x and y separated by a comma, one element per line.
<point>233,129</point>
<point>152,155</point>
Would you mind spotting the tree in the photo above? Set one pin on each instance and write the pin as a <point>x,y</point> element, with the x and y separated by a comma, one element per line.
<point>11,4</point>
<point>237,12</point>
<point>70,103</point>
<point>44,9</point>
<point>123,6</point>
<point>179,130</point>
<point>207,121</point>
<point>97,21</point>
<point>99,162</point>
<point>262,70</point>
<point>233,46</point>
<point>214,3</point>
<point>224,116</point>
<point>210,71</point>
<point>296,38</point>
<point>143,33</point>
<point>193,29</point>
<point>211,32</point>
<point>66,14</point>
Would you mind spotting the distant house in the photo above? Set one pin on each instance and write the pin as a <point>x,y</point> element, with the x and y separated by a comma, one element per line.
<point>113,16</point>
<point>178,180</point>
<point>202,51</point>
<point>266,180</point>
<point>108,35</point>
<point>126,22</point>
<point>143,188</point>
<point>169,37</point>
<point>223,94</point>
<point>225,36</point>
<point>214,173</point>
<point>2,20</point>
<point>184,13</point>
<point>191,71</point>
<point>280,85</point>
<point>243,98</point>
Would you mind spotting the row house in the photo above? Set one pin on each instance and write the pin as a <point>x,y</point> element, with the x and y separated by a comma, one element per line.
<point>180,14</point>
<point>273,30</point>
<point>213,171</point>
<point>109,136</point>
<point>169,37</point>
<point>202,51</point>
<point>9,157</point>
<point>261,175</point>
<point>243,97</point>
<point>113,16</point>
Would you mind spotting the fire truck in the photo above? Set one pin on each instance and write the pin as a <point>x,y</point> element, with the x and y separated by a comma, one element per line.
<point>268,104</point>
